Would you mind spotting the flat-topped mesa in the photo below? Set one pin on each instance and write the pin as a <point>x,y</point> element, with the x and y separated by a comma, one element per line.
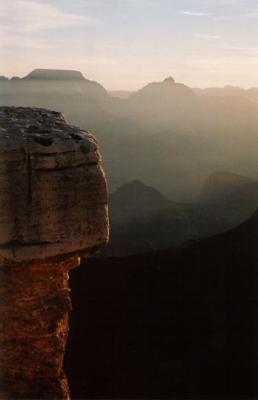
<point>53,208</point>
<point>55,74</point>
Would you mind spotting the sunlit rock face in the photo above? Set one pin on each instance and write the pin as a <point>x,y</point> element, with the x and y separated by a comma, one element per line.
<point>53,209</point>
<point>34,326</point>
<point>53,197</point>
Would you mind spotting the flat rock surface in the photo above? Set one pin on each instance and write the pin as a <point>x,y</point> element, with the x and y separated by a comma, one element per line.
<point>53,198</point>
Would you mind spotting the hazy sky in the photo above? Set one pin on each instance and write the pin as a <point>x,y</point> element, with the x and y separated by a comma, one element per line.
<point>124,44</point>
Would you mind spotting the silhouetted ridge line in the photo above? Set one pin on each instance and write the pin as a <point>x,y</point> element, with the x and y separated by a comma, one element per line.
<point>54,74</point>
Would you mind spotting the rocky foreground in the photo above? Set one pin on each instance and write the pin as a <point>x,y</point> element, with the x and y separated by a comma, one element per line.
<point>53,208</point>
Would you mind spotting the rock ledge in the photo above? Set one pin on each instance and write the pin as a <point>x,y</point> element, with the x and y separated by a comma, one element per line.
<point>53,198</point>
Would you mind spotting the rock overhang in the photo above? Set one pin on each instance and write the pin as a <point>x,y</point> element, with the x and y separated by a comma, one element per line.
<point>53,199</point>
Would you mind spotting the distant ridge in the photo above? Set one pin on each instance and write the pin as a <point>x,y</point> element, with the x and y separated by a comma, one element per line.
<point>168,87</point>
<point>55,74</point>
<point>222,185</point>
<point>136,195</point>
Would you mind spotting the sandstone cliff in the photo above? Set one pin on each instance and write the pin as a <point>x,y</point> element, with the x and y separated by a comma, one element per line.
<point>53,208</point>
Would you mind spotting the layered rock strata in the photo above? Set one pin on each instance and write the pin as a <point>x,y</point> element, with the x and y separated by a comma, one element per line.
<point>53,209</point>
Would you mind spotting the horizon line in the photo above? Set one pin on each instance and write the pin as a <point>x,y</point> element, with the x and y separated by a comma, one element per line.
<point>227,85</point>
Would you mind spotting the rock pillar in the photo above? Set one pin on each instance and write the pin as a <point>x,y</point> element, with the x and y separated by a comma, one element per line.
<point>53,209</point>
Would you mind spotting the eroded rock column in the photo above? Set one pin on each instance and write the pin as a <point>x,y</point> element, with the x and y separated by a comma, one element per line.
<point>53,209</point>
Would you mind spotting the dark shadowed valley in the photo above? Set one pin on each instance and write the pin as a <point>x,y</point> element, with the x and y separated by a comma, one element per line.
<point>177,323</point>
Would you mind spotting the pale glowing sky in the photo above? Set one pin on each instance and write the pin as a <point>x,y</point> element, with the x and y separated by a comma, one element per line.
<point>123,44</point>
